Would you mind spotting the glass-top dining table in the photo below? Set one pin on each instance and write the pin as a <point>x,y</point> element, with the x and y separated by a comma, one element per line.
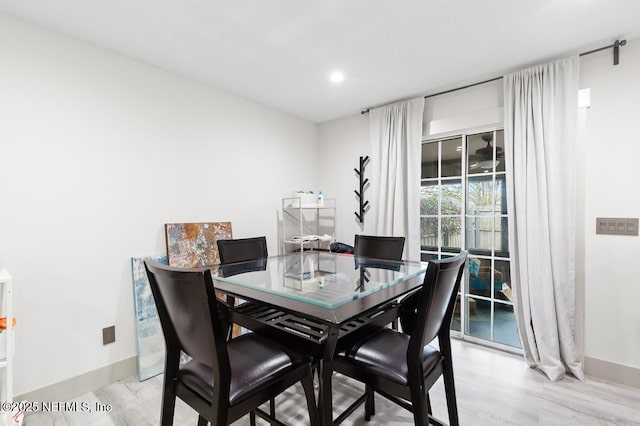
<point>320,302</point>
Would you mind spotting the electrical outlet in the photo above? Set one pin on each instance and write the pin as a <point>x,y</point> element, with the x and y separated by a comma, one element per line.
<point>108,335</point>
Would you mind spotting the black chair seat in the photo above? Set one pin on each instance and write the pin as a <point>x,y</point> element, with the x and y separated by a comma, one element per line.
<point>255,362</point>
<point>384,355</point>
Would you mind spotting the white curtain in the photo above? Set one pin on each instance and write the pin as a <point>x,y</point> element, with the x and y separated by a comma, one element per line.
<point>541,109</point>
<point>396,137</point>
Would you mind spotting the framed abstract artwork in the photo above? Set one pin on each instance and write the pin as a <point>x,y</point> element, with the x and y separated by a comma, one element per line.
<point>193,245</point>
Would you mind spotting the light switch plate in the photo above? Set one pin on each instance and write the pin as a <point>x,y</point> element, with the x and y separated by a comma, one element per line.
<point>617,226</point>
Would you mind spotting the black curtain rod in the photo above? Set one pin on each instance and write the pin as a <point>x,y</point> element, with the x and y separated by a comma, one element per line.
<point>616,60</point>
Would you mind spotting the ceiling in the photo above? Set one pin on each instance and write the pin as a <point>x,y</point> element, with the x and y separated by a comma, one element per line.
<point>280,52</point>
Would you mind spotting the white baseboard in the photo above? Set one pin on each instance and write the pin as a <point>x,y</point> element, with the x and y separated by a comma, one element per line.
<point>89,382</point>
<point>612,372</point>
<point>79,385</point>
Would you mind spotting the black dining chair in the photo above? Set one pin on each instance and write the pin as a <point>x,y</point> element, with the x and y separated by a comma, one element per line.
<point>238,256</point>
<point>376,247</point>
<point>224,380</point>
<point>402,366</point>
<point>242,249</point>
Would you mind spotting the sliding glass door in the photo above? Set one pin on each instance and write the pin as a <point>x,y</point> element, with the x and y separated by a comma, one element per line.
<point>463,204</point>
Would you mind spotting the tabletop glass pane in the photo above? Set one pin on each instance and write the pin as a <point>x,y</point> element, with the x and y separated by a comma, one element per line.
<point>324,279</point>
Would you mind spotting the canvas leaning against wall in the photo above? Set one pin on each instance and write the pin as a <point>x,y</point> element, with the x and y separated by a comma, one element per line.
<point>193,245</point>
<point>150,341</point>
<point>149,336</point>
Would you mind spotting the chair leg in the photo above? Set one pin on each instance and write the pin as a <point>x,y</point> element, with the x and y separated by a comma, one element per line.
<point>252,418</point>
<point>418,401</point>
<point>450,392</point>
<point>367,407</point>
<point>372,402</point>
<point>369,403</point>
<point>202,421</point>
<point>168,405</point>
<point>272,407</point>
<point>447,374</point>
<point>309,393</point>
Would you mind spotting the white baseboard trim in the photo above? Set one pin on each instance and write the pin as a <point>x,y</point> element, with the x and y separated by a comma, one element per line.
<point>612,372</point>
<point>92,380</point>
<point>79,385</point>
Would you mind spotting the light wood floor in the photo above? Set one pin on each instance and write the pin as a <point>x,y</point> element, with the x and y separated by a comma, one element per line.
<point>494,388</point>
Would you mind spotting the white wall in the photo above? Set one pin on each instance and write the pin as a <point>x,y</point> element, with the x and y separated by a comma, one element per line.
<point>612,270</point>
<point>97,152</point>
<point>341,143</point>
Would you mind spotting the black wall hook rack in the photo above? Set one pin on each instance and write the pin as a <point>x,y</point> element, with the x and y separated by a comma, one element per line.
<point>363,183</point>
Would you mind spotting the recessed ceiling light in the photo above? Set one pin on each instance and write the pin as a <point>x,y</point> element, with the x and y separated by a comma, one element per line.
<point>336,77</point>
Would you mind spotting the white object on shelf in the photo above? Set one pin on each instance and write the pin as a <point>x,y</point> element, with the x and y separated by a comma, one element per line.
<point>306,200</point>
<point>297,239</point>
<point>303,239</point>
<point>7,337</point>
